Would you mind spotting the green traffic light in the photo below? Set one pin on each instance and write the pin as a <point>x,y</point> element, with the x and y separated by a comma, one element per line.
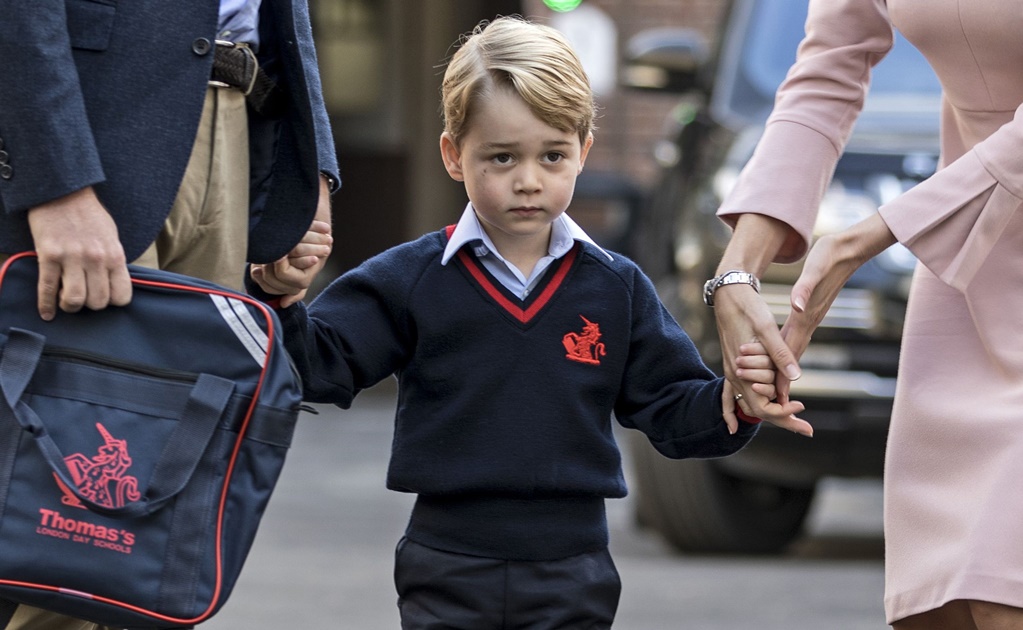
<point>562,5</point>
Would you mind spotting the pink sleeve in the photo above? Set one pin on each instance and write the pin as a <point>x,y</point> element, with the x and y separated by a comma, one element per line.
<point>952,221</point>
<point>815,109</point>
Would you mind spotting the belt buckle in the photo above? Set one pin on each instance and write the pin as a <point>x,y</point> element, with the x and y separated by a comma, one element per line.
<point>252,58</point>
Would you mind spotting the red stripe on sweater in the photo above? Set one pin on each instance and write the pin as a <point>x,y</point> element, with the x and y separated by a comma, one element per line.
<point>518,313</point>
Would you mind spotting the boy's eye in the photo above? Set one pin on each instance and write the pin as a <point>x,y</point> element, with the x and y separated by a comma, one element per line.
<point>554,157</point>
<point>502,158</point>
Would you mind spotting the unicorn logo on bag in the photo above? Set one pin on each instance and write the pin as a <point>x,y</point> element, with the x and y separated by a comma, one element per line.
<point>102,478</point>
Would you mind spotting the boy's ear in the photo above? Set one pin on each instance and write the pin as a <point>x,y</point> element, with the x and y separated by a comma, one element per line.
<point>585,151</point>
<point>452,157</point>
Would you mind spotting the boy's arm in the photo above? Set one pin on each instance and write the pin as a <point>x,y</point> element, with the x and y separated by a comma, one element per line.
<point>353,335</point>
<point>674,398</point>
<point>667,391</point>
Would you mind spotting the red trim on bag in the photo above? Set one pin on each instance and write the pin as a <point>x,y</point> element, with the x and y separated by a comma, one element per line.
<point>214,600</point>
<point>12,258</point>
<point>237,444</point>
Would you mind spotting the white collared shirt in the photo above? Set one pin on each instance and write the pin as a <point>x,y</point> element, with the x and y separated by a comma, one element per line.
<point>564,233</point>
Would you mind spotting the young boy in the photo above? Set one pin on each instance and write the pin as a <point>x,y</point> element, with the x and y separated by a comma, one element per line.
<point>514,338</point>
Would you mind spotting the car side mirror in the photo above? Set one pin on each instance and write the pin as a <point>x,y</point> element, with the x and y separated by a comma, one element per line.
<point>664,60</point>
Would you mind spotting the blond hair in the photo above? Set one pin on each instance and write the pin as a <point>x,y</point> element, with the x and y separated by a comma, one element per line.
<point>535,61</point>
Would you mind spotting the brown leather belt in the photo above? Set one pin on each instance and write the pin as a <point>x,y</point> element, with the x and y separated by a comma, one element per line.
<point>235,66</point>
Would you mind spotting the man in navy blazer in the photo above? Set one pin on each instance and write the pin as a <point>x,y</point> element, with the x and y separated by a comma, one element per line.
<point>100,104</point>
<point>189,135</point>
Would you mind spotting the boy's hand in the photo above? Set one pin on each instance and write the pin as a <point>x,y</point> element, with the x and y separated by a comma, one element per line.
<point>728,405</point>
<point>755,366</point>
<point>292,275</point>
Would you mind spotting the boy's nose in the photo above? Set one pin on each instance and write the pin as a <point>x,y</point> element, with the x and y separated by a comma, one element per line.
<point>528,180</point>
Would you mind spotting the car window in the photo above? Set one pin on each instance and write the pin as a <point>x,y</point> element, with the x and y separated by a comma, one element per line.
<point>774,30</point>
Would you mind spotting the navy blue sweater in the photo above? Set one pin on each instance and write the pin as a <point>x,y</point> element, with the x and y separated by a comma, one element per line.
<point>503,424</point>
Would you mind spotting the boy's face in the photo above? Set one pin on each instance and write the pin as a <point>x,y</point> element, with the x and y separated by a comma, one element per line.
<point>519,172</point>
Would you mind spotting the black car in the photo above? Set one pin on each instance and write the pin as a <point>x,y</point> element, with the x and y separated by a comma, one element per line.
<point>756,501</point>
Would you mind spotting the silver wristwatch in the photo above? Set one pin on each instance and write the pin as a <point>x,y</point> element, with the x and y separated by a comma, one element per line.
<point>729,277</point>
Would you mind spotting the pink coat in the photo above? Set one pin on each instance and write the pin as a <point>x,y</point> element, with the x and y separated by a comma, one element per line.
<point>953,514</point>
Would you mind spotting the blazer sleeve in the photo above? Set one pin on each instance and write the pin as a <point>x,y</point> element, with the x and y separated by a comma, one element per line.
<point>325,151</point>
<point>954,220</point>
<point>43,122</point>
<point>815,109</point>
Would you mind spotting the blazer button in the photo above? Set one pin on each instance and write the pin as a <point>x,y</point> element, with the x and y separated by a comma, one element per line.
<point>201,46</point>
<point>4,157</point>
<point>6,172</point>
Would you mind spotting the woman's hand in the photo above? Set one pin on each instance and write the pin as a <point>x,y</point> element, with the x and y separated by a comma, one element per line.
<point>829,265</point>
<point>742,316</point>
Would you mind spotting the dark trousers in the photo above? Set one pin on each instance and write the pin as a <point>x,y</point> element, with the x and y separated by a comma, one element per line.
<point>450,591</point>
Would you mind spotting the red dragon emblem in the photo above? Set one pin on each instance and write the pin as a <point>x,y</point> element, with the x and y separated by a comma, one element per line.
<point>585,347</point>
<point>101,479</point>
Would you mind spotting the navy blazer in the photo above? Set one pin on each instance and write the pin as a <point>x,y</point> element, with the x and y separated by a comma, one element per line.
<point>109,93</point>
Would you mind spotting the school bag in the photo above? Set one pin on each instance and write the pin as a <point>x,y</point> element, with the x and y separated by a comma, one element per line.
<point>139,447</point>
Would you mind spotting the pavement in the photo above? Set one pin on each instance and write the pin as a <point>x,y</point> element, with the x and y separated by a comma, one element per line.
<point>323,556</point>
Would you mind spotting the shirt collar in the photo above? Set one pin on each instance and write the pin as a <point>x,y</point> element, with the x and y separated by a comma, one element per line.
<point>564,233</point>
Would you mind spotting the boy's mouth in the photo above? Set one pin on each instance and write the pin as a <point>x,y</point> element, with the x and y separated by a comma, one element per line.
<point>526,210</point>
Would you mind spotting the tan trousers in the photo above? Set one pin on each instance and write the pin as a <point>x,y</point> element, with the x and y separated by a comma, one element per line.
<point>205,236</point>
<point>206,233</point>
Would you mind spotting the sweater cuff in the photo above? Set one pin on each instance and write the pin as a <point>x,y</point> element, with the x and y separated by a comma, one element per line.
<point>747,419</point>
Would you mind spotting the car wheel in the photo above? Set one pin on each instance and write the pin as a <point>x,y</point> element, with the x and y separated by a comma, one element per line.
<point>699,508</point>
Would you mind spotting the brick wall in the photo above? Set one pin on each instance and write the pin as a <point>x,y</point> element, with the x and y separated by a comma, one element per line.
<point>631,122</point>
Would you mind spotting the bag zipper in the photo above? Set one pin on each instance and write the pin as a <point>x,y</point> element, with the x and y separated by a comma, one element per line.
<point>72,355</point>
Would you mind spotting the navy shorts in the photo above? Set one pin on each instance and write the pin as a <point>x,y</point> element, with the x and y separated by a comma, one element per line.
<point>439,589</point>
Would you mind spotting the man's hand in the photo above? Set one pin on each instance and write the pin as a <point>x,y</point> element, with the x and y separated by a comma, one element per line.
<point>292,275</point>
<point>81,260</point>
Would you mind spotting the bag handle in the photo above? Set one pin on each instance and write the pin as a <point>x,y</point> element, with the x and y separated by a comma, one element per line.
<point>181,454</point>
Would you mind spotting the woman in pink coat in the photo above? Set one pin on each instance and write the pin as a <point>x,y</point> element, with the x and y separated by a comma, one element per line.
<point>953,508</point>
